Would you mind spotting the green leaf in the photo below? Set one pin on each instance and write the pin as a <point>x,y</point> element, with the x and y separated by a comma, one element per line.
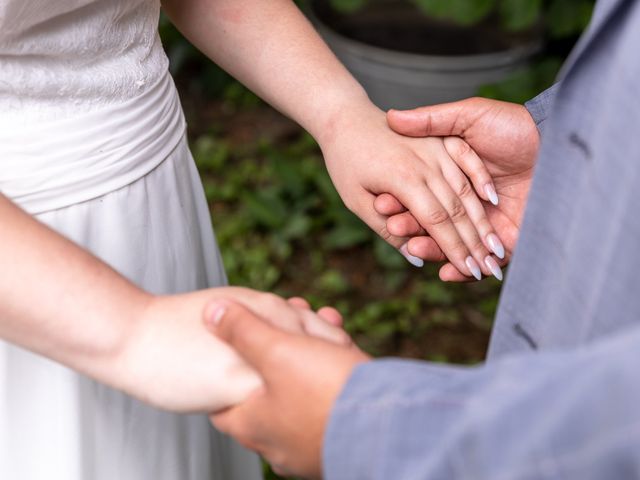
<point>566,18</point>
<point>346,236</point>
<point>520,14</point>
<point>210,153</point>
<point>333,282</point>
<point>436,292</point>
<point>296,227</point>
<point>464,12</point>
<point>266,208</point>
<point>348,6</point>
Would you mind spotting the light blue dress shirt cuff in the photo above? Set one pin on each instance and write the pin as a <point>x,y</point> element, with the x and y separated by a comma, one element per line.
<point>540,106</point>
<point>365,437</point>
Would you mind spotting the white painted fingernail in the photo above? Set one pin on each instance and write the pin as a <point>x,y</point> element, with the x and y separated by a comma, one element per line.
<point>493,266</point>
<point>413,260</point>
<point>490,190</point>
<point>496,245</point>
<point>215,314</point>
<point>473,267</point>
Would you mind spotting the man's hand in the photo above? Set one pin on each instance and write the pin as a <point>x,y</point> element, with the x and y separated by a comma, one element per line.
<point>365,157</point>
<point>302,376</point>
<point>505,139</point>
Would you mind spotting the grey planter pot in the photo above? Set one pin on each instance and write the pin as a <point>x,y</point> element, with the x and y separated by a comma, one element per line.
<point>395,79</point>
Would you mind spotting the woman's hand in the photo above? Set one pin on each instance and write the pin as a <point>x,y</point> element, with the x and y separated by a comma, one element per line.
<point>366,158</point>
<point>504,145</point>
<point>170,362</point>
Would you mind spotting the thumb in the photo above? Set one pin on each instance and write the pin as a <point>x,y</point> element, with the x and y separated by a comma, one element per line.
<point>446,119</point>
<point>244,331</point>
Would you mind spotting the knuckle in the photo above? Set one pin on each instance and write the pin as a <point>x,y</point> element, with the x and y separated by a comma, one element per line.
<point>272,300</point>
<point>458,147</point>
<point>477,245</point>
<point>384,233</point>
<point>277,354</point>
<point>458,250</point>
<point>464,189</point>
<point>437,217</point>
<point>457,212</point>
<point>405,175</point>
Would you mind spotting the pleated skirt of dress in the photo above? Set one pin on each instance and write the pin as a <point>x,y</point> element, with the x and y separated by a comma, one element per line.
<point>58,425</point>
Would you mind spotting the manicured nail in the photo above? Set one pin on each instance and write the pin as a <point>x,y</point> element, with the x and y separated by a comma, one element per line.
<point>496,245</point>
<point>490,190</point>
<point>493,266</point>
<point>473,267</point>
<point>413,260</point>
<point>214,314</point>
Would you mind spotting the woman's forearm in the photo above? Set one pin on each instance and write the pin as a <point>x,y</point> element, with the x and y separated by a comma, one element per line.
<point>272,48</point>
<point>60,301</point>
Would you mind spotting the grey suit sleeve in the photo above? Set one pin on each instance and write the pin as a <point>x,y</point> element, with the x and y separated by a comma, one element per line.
<point>566,414</point>
<point>539,107</point>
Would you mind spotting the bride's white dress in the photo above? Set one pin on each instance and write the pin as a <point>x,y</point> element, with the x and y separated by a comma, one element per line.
<point>92,142</point>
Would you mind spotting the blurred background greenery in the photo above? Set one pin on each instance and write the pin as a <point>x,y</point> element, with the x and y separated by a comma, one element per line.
<point>282,227</point>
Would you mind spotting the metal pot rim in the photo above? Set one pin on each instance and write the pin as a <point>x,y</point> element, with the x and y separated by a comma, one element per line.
<point>418,61</point>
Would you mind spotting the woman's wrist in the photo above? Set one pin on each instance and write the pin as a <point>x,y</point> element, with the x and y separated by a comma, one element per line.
<point>113,356</point>
<point>341,113</point>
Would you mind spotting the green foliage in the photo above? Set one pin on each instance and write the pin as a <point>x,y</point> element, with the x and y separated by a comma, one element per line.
<point>348,6</point>
<point>464,12</point>
<point>566,18</point>
<point>519,14</point>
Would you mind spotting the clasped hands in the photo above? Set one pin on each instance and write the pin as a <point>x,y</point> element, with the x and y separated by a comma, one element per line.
<point>272,369</point>
<point>286,417</point>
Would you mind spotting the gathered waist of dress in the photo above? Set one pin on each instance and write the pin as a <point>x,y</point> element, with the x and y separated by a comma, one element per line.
<point>54,164</point>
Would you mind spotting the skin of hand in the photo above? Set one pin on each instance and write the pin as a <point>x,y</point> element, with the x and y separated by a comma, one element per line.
<point>285,419</point>
<point>274,50</point>
<point>497,141</point>
<point>170,364</point>
<point>364,157</point>
<point>328,314</point>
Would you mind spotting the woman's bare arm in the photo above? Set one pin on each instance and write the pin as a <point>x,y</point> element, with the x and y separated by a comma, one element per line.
<point>60,301</point>
<point>272,48</point>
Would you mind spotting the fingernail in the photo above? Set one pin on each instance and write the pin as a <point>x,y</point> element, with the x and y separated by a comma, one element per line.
<point>473,267</point>
<point>413,260</point>
<point>490,190</point>
<point>214,314</point>
<point>493,266</point>
<point>496,245</point>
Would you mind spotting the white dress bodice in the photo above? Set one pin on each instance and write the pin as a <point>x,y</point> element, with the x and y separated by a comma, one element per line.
<point>59,58</point>
<point>86,101</point>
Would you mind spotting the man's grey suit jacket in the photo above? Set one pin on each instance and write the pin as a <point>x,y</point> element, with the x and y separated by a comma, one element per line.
<point>559,397</point>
